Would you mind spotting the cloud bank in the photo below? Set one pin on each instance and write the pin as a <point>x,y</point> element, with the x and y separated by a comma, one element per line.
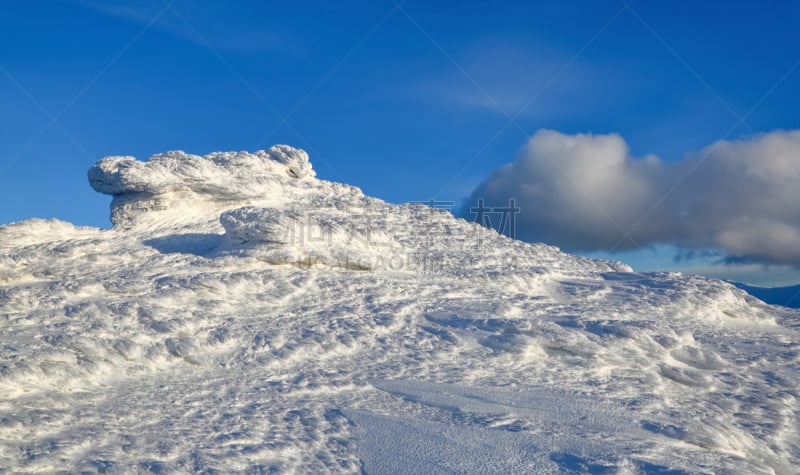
<point>586,192</point>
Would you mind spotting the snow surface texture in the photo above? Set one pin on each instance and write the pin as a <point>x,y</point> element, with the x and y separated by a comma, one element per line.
<point>244,316</point>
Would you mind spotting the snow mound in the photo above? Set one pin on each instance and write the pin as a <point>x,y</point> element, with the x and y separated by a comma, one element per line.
<point>307,238</point>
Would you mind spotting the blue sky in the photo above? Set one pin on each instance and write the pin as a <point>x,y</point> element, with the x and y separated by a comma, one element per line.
<point>408,101</point>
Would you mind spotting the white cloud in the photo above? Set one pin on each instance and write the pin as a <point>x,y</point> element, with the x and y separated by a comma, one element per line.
<point>585,192</point>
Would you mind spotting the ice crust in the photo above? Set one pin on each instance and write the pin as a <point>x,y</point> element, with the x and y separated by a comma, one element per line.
<point>243,316</point>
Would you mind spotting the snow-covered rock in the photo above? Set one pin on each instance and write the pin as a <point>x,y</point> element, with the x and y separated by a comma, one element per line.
<point>165,180</point>
<point>243,316</point>
<point>227,175</point>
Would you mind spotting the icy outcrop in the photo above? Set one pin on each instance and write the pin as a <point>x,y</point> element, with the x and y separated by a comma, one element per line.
<point>268,203</point>
<point>234,174</point>
<point>139,187</point>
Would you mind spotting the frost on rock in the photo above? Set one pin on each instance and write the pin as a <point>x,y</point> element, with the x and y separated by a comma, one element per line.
<point>166,179</point>
<point>235,174</point>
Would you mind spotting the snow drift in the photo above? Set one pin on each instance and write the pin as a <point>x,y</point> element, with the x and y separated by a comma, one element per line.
<point>243,316</point>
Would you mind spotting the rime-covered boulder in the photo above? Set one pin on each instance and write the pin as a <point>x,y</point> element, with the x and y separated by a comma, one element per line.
<point>165,180</point>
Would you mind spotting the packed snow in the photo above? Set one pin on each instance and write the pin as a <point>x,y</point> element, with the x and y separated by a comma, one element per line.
<point>242,315</point>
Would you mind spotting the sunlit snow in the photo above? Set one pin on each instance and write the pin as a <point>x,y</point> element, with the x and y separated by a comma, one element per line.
<point>244,316</point>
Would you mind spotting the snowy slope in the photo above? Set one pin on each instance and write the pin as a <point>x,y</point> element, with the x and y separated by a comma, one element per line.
<point>244,316</point>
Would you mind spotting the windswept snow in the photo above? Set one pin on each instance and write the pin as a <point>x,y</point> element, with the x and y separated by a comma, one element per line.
<point>307,238</point>
<point>244,316</point>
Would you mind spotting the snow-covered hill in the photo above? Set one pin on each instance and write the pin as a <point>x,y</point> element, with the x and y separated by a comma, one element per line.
<point>244,316</point>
